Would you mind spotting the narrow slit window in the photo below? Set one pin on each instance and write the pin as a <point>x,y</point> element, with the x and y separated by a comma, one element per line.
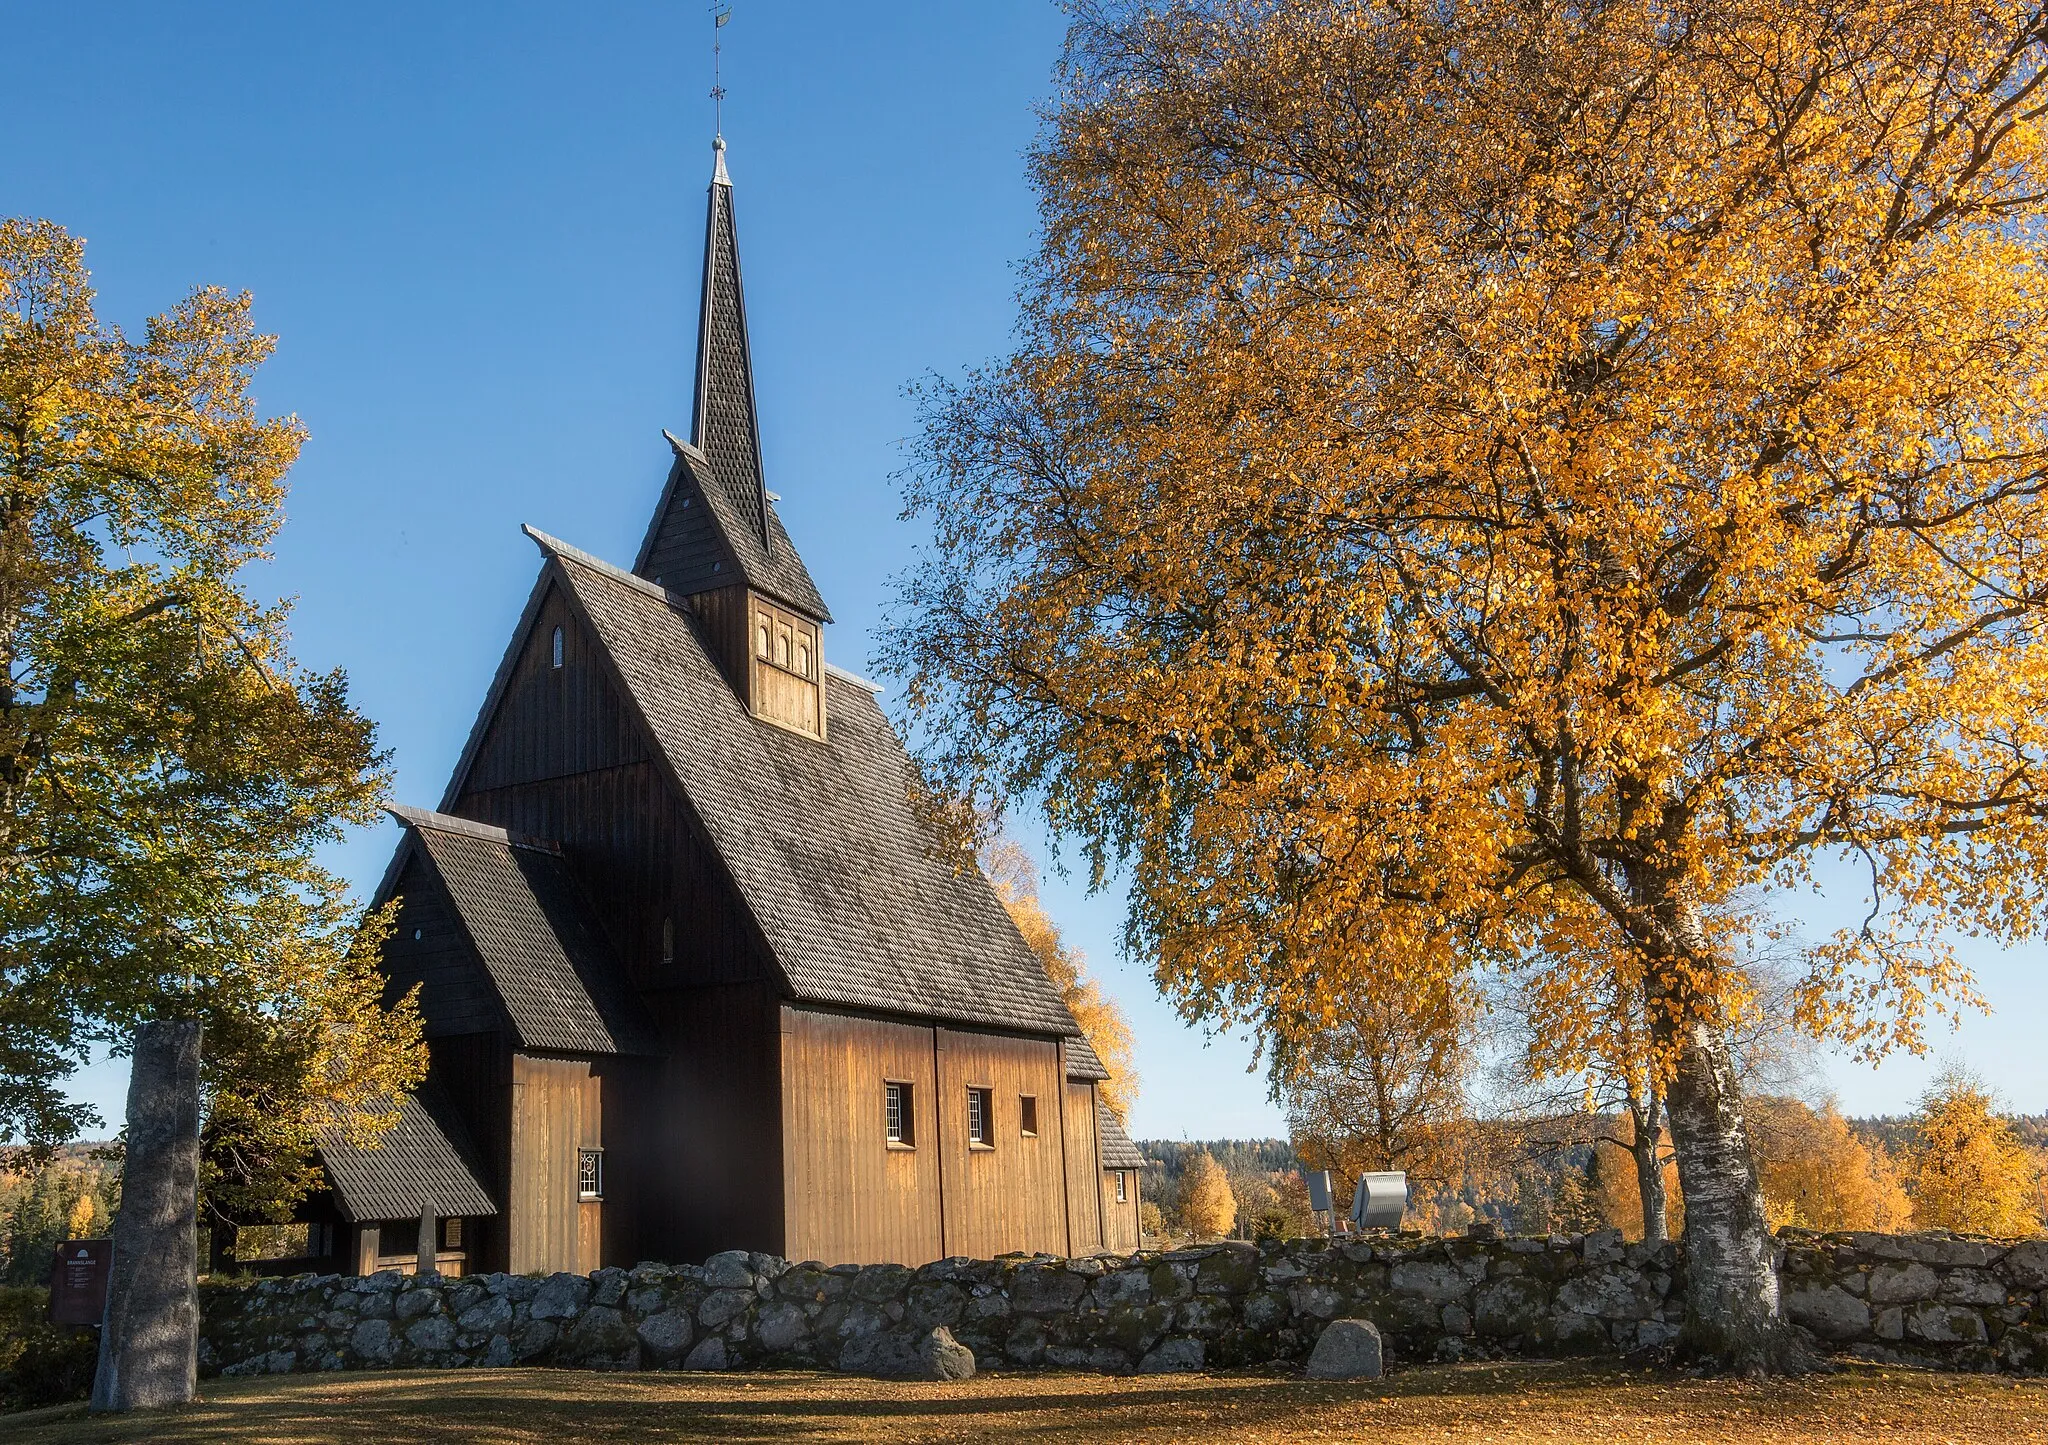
<point>1120,1186</point>
<point>668,940</point>
<point>901,1122</point>
<point>558,647</point>
<point>1027,1116</point>
<point>803,658</point>
<point>590,1173</point>
<point>978,1111</point>
<point>782,646</point>
<point>761,641</point>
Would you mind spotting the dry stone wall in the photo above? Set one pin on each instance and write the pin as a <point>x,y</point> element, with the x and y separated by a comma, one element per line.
<point>1952,1303</point>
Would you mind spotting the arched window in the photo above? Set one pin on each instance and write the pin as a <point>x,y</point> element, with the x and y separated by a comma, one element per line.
<point>803,658</point>
<point>761,641</point>
<point>782,646</point>
<point>558,647</point>
<point>668,940</point>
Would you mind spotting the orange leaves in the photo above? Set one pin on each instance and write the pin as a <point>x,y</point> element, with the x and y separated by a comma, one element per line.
<point>1484,486</point>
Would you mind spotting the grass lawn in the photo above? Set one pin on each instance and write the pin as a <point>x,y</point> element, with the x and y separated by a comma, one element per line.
<point>1507,1403</point>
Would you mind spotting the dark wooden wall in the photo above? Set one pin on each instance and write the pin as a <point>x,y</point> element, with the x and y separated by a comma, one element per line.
<point>475,1071</point>
<point>455,993</point>
<point>852,1197</point>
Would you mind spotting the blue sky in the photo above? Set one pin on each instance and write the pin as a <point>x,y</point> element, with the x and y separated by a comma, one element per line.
<point>476,231</point>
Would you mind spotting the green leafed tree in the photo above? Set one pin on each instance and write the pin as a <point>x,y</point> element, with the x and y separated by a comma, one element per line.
<point>168,772</point>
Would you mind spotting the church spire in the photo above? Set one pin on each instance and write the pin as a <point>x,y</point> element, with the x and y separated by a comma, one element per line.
<point>724,426</point>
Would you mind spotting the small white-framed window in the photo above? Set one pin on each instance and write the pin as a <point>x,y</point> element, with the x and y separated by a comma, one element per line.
<point>590,1173</point>
<point>1120,1196</point>
<point>558,647</point>
<point>901,1120</point>
<point>979,1119</point>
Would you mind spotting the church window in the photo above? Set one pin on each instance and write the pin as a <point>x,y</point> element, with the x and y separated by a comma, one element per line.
<point>418,934</point>
<point>558,647</point>
<point>978,1120</point>
<point>590,1173</point>
<point>668,940</point>
<point>451,1234</point>
<point>901,1121</point>
<point>1120,1186</point>
<point>1027,1116</point>
<point>803,658</point>
<point>761,640</point>
<point>782,646</point>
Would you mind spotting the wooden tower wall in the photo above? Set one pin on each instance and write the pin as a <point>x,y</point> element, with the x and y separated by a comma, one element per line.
<point>693,1153</point>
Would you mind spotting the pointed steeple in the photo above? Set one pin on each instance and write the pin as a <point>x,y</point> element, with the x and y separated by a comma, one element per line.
<point>716,525</point>
<point>724,426</point>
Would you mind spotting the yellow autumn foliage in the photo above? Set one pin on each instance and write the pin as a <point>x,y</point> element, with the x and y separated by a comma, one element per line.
<point>1968,1170</point>
<point>1208,1207</point>
<point>1816,1174</point>
<point>1487,486</point>
<point>1101,1017</point>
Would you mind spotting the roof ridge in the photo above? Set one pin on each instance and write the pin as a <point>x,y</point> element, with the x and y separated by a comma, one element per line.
<point>833,669</point>
<point>469,828</point>
<point>556,547</point>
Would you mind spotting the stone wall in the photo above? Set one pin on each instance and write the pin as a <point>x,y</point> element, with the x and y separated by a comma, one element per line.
<point>1955,1303</point>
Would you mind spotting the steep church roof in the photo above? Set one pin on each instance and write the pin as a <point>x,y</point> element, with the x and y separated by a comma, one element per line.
<point>1118,1152</point>
<point>425,1161</point>
<point>716,524</point>
<point>526,916</point>
<point>855,903</point>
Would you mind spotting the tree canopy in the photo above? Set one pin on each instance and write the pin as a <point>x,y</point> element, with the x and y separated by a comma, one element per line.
<point>1482,485</point>
<point>167,770</point>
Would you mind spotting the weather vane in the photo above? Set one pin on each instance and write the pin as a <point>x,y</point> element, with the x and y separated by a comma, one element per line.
<point>719,15</point>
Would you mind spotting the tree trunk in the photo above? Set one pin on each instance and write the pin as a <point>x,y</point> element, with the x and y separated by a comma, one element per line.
<point>1648,1120</point>
<point>149,1345</point>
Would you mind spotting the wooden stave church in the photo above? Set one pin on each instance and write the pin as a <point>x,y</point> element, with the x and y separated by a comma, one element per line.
<point>694,977</point>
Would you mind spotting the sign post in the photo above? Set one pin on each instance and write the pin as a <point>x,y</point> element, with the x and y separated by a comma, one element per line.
<point>78,1281</point>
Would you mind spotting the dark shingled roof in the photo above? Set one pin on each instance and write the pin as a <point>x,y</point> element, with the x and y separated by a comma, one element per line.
<point>425,1161</point>
<point>716,524</point>
<point>1082,1060</point>
<point>1118,1152</point>
<point>842,880</point>
<point>699,540</point>
<point>561,985</point>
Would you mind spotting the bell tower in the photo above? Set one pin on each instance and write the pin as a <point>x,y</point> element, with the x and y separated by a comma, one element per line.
<point>715,539</point>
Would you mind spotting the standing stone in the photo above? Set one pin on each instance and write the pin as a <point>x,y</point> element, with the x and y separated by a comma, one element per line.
<point>944,1357</point>
<point>1347,1350</point>
<point>149,1344</point>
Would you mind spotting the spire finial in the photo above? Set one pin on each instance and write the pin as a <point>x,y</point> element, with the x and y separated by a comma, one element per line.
<point>720,13</point>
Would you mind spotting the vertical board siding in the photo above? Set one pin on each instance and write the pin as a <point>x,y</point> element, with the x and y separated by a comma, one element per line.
<point>556,1109</point>
<point>1011,1196</point>
<point>475,1072</point>
<point>706,1134</point>
<point>1120,1221</point>
<point>1084,1195</point>
<point>552,721</point>
<point>850,1197</point>
<point>456,996</point>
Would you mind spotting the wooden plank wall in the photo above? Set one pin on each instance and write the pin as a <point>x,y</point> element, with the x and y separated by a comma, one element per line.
<point>850,1197</point>
<point>1012,1195</point>
<point>782,694</point>
<point>618,819</point>
<point>556,1111</point>
<point>1084,1195</point>
<point>1120,1221</point>
<point>475,1070</point>
<point>455,993</point>
<point>710,1125</point>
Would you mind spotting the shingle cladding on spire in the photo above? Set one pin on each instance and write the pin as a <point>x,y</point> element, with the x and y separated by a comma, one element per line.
<point>715,526</point>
